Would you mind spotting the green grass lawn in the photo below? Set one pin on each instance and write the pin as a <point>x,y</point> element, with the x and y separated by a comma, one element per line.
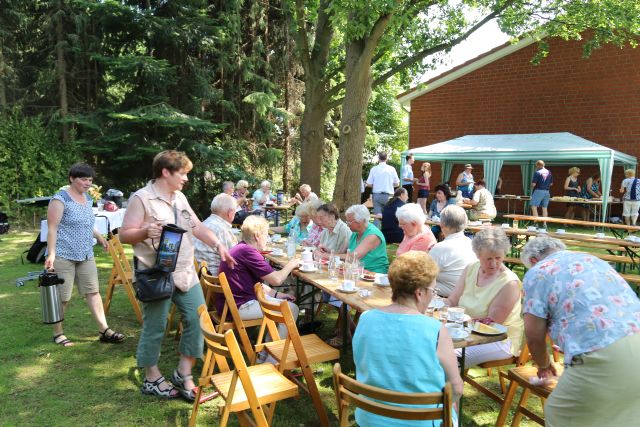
<point>98,384</point>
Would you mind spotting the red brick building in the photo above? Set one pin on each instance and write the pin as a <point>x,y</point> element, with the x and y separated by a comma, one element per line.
<point>502,92</point>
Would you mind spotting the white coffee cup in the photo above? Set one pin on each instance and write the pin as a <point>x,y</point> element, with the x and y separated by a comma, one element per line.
<point>307,266</point>
<point>600,235</point>
<point>455,329</point>
<point>560,231</point>
<point>348,285</point>
<point>307,257</point>
<point>456,314</point>
<point>505,225</point>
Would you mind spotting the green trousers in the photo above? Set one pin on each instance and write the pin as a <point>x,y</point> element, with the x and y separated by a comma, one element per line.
<point>155,316</point>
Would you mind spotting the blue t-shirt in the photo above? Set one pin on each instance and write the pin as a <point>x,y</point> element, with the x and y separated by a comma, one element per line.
<point>543,179</point>
<point>397,352</point>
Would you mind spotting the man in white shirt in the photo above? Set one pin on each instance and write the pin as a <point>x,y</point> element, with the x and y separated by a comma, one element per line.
<point>223,210</point>
<point>454,253</point>
<point>407,177</point>
<point>382,179</point>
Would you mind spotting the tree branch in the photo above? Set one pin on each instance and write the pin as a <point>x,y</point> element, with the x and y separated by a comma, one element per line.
<point>301,36</point>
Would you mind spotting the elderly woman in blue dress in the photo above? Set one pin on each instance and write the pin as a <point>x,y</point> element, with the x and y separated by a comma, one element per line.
<point>70,237</point>
<point>300,224</point>
<point>592,314</point>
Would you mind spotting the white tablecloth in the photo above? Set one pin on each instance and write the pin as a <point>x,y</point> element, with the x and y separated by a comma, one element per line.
<point>114,219</point>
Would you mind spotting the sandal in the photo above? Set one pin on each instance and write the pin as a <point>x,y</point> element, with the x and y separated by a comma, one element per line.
<point>115,337</point>
<point>178,381</point>
<point>153,388</point>
<point>66,342</point>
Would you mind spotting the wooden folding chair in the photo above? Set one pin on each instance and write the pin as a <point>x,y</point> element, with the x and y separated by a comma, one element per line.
<point>307,349</point>
<point>520,377</point>
<point>258,389</point>
<point>520,360</point>
<point>121,274</point>
<point>212,292</point>
<point>378,401</point>
<point>239,325</point>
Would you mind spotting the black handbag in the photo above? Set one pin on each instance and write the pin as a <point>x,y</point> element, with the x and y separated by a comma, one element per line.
<point>153,284</point>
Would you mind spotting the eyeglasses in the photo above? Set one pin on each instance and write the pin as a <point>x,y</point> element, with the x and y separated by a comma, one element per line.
<point>433,291</point>
<point>186,215</point>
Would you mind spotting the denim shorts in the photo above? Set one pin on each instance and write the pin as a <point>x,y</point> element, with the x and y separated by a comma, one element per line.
<point>540,198</point>
<point>423,194</point>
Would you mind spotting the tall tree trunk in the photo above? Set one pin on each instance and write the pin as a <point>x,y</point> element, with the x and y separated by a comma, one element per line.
<point>3,94</point>
<point>312,135</point>
<point>353,126</point>
<point>61,69</point>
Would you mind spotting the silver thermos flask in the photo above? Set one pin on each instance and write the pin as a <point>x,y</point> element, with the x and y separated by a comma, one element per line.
<point>50,298</point>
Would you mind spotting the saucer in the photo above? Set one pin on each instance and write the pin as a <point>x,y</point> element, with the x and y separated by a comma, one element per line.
<point>311,270</point>
<point>344,291</point>
<point>462,335</point>
<point>281,253</point>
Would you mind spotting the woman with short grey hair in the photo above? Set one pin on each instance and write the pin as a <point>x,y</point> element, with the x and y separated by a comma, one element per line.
<point>454,219</point>
<point>367,241</point>
<point>539,248</point>
<point>490,292</point>
<point>417,236</point>
<point>300,224</point>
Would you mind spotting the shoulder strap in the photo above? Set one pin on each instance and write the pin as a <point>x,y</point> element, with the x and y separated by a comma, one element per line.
<point>632,191</point>
<point>65,195</point>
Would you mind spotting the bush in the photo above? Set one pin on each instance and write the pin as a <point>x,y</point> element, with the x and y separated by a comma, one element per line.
<point>33,160</point>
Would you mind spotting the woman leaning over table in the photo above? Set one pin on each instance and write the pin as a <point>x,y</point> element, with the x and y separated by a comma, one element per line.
<point>490,292</point>
<point>367,240</point>
<point>593,315</point>
<point>398,348</point>
<point>590,190</point>
<point>70,243</point>
<point>159,203</point>
<point>482,202</point>
<point>300,224</point>
<point>313,239</point>
<point>417,235</point>
<point>572,189</point>
<point>631,200</point>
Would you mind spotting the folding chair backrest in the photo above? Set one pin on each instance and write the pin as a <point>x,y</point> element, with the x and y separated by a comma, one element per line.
<point>120,261</point>
<point>226,346</point>
<point>235,315</point>
<point>212,291</point>
<point>374,399</point>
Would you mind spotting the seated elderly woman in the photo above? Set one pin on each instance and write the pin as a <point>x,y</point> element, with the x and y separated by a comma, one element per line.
<point>335,233</point>
<point>454,253</point>
<point>482,202</point>
<point>415,358</point>
<point>490,292</point>
<point>367,241</point>
<point>441,200</point>
<point>313,239</point>
<point>593,315</point>
<point>251,267</point>
<point>300,224</point>
<point>389,222</point>
<point>417,236</point>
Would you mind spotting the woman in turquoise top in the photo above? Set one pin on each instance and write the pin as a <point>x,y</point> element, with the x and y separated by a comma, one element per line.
<point>367,240</point>
<point>299,226</point>
<point>418,348</point>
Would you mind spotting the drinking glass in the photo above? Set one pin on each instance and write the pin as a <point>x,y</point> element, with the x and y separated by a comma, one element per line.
<point>456,314</point>
<point>443,313</point>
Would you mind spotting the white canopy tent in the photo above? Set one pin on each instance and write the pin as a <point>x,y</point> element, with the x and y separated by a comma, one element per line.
<point>524,149</point>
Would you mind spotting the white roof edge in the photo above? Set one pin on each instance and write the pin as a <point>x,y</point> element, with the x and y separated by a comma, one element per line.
<point>479,63</point>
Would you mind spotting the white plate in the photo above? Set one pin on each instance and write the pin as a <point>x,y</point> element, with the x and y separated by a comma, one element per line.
<point>344,291</point>
<point>436,304</point>
<point>497,326</point>
<point>463,335</point>
<point>382,284</point>
<point>367,279</point>
<point>311,270</point>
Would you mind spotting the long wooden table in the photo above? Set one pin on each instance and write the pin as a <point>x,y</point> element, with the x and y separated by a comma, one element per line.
<point>617,229</point>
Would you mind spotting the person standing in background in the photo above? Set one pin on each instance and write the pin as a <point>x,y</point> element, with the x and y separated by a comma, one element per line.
<point>540,185</point>
<point>424,186</point>
<point>382,180</point>
<point>227,187</point>
<point>464,181</point>
<point>631,200</point>
<point>407,176</point>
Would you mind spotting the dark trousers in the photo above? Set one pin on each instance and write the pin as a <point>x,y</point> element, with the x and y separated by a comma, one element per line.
<point>409,188</point>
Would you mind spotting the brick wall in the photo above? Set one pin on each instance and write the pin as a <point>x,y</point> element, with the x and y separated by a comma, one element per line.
<point>596,98</point>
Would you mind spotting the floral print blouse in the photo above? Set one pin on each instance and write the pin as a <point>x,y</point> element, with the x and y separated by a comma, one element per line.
<point>588,305</point>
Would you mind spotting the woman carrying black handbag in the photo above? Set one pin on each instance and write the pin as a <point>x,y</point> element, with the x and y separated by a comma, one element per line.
<point>160,203</point>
